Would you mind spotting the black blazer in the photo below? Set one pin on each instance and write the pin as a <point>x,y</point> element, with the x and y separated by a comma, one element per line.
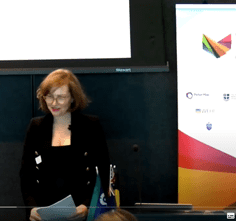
<point>89,149</point>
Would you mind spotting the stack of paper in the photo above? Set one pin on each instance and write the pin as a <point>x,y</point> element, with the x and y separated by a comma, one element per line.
<point>58,211</point>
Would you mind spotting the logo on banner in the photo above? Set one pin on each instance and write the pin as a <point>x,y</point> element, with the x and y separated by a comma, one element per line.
<point>189,95</point>
<point>209,126</point>
<point>230,96</point>
<point>226,97</point>
<point>213,47</point>
<point>205,111</point>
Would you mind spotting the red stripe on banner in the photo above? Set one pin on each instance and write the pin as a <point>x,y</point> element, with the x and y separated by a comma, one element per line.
<point>194,154</point>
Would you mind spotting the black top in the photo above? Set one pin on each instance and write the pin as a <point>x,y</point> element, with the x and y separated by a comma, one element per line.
<point>57,169</point>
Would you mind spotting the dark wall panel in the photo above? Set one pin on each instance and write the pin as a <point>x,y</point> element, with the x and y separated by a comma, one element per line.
<point>15,114</point>
<point>16,106</point>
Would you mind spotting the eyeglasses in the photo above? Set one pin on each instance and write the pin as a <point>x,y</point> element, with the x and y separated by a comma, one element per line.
<point>60,99</point>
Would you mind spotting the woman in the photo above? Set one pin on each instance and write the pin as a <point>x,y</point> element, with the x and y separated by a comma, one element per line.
<point>62,148</point>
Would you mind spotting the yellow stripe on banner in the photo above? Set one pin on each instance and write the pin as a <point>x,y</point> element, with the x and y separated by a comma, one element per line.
<point>117,196</point>
<point>206,189</point>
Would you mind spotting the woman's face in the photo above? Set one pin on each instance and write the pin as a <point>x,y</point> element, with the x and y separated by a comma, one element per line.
<point>62,94</point>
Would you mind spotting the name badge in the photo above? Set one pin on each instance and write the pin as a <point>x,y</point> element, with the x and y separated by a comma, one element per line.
<point>38,159</point>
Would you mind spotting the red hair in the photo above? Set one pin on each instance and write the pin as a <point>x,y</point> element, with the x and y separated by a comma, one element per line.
<point>59,78</point>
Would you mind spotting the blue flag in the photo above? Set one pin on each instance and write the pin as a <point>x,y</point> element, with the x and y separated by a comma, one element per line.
<point>99,203</point>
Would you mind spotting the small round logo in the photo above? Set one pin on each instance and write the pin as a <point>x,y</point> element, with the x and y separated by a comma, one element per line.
<point>189,95</point>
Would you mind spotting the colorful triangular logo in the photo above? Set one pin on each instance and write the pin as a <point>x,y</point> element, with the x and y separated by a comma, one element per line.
<point>218,49</point>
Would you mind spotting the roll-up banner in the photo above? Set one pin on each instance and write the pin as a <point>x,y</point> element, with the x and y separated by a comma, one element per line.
<point>206,68</point>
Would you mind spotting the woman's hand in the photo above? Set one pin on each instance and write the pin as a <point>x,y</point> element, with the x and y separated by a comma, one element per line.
<point>34,216</point>
<point>81,213</point>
